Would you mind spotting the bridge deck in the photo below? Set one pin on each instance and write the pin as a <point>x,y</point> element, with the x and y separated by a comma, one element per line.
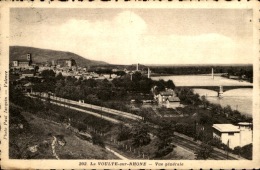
<point>216,88</point>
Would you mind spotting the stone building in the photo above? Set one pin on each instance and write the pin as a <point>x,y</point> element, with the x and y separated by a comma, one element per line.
<point>24,62</point>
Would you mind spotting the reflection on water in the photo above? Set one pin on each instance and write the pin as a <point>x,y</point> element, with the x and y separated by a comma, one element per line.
<point>200,80</point>
<point>238,99</point>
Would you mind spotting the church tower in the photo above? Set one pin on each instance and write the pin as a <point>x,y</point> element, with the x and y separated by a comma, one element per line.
<point>29,56</point>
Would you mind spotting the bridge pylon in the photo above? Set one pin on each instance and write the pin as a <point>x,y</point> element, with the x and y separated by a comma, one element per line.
<point>221,91</point>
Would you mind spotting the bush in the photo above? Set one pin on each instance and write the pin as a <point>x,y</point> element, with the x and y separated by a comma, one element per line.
<point>164,151</point>
<point>204,152</point>
<point>124,133</point>
<point>245,151</point>
<point>97,140</point>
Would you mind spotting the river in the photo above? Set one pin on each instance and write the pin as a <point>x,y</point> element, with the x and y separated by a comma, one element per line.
<point>238,99</point>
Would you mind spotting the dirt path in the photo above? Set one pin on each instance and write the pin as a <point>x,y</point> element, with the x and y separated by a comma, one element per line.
<point>117,154</point>
<point>53,147</point>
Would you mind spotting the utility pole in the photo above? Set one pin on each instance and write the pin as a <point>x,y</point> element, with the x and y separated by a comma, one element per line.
<point>227,148</point>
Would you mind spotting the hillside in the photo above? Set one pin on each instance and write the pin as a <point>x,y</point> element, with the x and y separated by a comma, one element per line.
<point>44,55</point>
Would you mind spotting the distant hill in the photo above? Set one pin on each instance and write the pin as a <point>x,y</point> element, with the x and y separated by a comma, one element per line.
<point>44,55</point>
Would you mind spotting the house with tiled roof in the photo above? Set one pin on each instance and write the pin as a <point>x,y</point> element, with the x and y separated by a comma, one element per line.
<point>168,98</point>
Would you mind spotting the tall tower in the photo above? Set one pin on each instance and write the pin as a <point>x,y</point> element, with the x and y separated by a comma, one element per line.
<point>148,74</point>
<point>212,73</point>
<point>137,66</point>
<point>29,57</point>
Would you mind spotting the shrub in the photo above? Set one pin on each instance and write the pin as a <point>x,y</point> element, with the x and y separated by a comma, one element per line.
<point>97,140</point>
<point>164,151</point>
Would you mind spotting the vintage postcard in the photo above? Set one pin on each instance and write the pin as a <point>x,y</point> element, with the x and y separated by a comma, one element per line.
<point>129,85</point>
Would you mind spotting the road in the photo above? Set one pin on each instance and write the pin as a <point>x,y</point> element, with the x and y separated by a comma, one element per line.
<point>178,139</point>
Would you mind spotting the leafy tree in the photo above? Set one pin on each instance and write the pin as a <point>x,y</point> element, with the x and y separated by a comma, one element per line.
<point>137,76</point>
<point>124,133</point>
<point>245,151</point>
<point>97,140</point>
<point>204,101</point>
<point>140,134</point>
<point>170,84</point>
<point>204,151</point>
<point>59,76</point>
<point>47,73</point>
<point>165,133</point>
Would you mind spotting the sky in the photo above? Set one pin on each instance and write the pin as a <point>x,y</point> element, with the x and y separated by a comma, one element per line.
<point>146,36</point>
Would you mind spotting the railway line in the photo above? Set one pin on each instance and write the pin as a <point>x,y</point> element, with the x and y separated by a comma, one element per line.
<point>177,139</point>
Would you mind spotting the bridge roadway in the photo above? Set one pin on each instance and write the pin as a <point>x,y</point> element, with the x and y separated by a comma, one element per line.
<point>179,139</point>
<point>216,88</point>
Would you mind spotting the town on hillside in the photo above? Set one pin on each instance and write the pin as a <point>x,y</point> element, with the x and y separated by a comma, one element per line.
<point>120,108</point>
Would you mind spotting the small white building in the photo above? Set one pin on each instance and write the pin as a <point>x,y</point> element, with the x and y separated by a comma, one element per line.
<point>232,135</point>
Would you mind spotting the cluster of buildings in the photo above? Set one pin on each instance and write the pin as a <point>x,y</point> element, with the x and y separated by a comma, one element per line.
<point>168,98</point>
<point>25,67</point>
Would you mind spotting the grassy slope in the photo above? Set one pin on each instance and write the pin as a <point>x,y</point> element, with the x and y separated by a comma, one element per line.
<point>43,55</point>
<point>75,147</point>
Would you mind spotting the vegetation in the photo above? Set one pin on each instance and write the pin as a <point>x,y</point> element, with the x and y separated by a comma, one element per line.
<point>113,94</point>
<point>242,71</point>
<point>124,133</point>
<point>196,120</point>
<point>204,152</point>
<point>165,133</point>
<point>140,134</point>
<point>245,151</point>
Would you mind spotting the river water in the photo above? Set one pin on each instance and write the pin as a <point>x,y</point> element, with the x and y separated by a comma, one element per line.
<point>238,99</point>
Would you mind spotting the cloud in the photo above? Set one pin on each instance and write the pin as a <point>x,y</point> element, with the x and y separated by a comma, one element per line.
<point>125,39</point>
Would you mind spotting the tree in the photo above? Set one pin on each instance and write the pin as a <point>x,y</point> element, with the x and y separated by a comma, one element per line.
<point>47,73</point>
<point>97,140</point>
<point>140,134</point>
<point>204,101</point>
<point>165,133</point>
<point>137,76</point>
<point>227,110</point>
<point>204,151</point>
<point>124,133</point>
<point>59,76</point>
<point>170,84</point>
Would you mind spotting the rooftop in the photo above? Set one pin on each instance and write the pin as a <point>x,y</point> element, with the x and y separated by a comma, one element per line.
<point>23,60</point>
<point>244,124</point>
<point>168,92</point>
<point>226,127</point>
<point>173,99</point>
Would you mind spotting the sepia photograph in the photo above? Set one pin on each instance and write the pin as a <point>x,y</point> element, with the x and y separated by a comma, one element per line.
<point>131,84</point>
